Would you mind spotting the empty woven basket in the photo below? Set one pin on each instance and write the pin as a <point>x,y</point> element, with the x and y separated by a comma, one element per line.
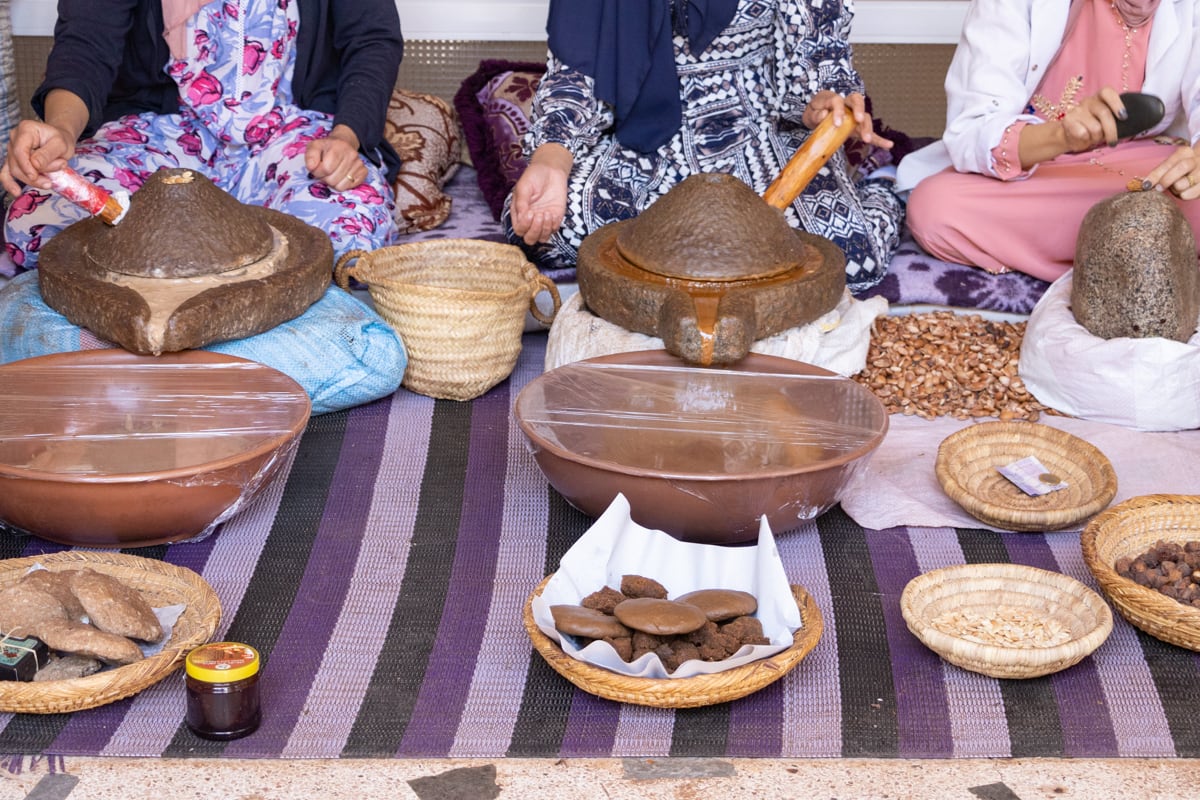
<point>1005,620</point>
<point>459,306</point>
<point>967,463</point>
<point>1129,529</point>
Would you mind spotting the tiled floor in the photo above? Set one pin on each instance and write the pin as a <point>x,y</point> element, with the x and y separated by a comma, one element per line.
<point>607,779</point>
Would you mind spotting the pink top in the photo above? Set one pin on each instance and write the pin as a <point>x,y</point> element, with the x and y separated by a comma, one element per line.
<point>1086,62</point>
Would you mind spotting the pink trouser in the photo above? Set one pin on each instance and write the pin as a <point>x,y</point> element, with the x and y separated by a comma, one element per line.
<point>1028,225</point>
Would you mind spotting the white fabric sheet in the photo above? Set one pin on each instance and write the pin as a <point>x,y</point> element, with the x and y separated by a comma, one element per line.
<point>899,485</point>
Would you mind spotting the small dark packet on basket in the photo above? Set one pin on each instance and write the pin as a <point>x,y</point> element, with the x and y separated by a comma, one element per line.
<point>20,659</point>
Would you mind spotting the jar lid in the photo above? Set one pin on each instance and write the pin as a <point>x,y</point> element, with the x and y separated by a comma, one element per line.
<point>222,662</point>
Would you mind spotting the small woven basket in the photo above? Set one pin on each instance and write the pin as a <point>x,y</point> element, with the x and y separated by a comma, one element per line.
<point>1129,529</point>
<point>698,690</point>
<point>162,584</point>
<point>967,463</point>
<point>974,592</point>
<point>458,305</point>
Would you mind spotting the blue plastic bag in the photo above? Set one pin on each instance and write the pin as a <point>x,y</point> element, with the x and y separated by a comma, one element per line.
<point>339,350</point>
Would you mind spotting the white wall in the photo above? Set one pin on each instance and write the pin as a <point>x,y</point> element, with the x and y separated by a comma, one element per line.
<point>880,21</point>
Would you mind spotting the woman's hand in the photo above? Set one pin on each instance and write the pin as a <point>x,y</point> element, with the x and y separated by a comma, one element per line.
<point>34,149</point>
<point>1179,173</point>
<point>335,160</point>
<point>1093,122</point>
<point>539,198</point>
<point>1090,124</point>
<point>827,102</point>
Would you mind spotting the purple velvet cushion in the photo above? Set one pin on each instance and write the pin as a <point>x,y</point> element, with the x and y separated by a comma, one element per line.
<point>916,278</point>
<point>493,105</point>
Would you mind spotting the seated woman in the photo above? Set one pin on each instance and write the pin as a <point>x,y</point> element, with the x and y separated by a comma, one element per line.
<point>281,104</point>
<point>1031,139</point>
<point>635,101</point>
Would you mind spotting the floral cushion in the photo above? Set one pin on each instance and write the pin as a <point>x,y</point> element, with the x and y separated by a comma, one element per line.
<point>494,105</point>
<point>915,277</point>
<point>426,134</point>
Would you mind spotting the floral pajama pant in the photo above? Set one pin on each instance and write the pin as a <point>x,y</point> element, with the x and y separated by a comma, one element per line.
<point>125,152</point>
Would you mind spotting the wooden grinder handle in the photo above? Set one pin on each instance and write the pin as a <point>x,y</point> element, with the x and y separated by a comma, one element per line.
<point>808,159</point>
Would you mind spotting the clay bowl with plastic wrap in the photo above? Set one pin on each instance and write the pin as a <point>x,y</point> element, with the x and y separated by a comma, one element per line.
<point>700,453</point>
<point>104,448</point>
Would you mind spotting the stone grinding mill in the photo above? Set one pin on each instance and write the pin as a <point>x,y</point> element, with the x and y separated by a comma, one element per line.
<point>712,267</point>
<point>187,265</point>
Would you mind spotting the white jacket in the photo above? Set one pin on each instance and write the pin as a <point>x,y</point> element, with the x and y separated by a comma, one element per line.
<point>1002,53</point>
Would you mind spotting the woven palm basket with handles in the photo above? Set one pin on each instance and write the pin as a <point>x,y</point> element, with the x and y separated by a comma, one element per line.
<point>959,612</point>
<point>967,463</point>
<point>698,690</point>
<point>1129,529</point>
<point>459,306</point>
<point>162,584</point>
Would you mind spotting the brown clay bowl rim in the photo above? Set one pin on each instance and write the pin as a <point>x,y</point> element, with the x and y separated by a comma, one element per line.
<point>118,356</point>
<point>751,362</point>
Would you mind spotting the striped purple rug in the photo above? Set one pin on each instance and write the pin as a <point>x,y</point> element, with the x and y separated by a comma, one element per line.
<point>383,580</point>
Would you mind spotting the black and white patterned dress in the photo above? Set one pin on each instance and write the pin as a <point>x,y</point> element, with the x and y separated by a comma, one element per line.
<point>743,99</point>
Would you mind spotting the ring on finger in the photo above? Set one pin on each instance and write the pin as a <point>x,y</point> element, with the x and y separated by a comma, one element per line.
<point>1191,180</point>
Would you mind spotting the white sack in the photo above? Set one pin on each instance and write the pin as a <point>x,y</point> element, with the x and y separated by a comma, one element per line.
<point>837,341</point>
<point>1150,384</point>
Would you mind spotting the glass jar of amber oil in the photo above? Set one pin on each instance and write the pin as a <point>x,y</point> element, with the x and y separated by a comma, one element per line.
<point>222,690</point>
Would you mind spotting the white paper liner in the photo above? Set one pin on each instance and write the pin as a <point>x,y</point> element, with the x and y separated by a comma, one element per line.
<point>615,546</point>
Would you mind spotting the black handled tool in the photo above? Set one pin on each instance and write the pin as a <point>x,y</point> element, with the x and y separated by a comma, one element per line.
<point>1144,111</point>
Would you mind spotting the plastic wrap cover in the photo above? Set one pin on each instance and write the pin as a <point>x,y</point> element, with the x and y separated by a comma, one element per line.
<point>106,448</point>
<point>134,417</point>
<point>700,421</point>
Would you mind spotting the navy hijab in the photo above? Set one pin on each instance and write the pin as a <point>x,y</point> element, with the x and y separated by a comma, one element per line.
<point>625,47</point>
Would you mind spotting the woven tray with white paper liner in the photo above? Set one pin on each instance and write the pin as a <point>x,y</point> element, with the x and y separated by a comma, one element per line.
<point>616,546</point>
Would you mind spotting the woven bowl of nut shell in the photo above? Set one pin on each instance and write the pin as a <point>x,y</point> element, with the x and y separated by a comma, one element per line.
<point>1005,620</point>
<point>1128,530</point>
<point>967,468</point>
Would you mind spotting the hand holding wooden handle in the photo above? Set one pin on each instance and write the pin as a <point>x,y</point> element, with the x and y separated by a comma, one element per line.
<point>79,190</point>
<point>808,159</point>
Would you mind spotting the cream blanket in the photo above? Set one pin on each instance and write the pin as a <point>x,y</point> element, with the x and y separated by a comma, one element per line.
<point>899,486</point>
<point>837,341</point>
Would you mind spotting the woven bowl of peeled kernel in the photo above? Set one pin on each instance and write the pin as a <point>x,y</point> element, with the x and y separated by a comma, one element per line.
<point>1005,620</point>
<point>1145,555</point>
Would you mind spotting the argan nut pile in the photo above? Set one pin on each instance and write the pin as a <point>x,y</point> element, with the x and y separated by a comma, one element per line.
<point>705,625</point>
<point>86,619</point>
<point>1171,568</point>
<point>943,364</point>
